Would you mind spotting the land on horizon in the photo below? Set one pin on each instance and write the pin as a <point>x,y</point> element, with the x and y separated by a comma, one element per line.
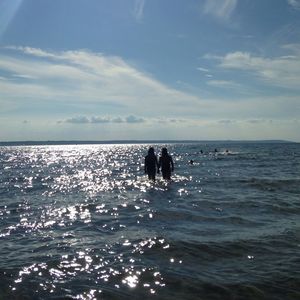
<point>90,142</point>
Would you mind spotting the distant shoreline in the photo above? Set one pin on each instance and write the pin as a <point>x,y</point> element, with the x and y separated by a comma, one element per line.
<point>110,142</point>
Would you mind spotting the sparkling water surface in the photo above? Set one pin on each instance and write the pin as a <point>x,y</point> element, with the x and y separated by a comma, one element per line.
<point>84,222</point>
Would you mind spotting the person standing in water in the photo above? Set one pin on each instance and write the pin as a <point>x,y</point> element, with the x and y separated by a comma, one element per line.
<point>166,164</point>
<point>151,164</point>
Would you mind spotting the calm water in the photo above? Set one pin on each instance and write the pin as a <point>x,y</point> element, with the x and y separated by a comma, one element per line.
<point>83,222</point>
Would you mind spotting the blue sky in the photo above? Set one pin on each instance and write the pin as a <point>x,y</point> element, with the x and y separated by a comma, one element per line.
<point>149,69</point>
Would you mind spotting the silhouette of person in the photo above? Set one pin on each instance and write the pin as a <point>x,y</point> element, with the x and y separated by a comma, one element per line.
<point>151,164</point>
<point>166,164</point>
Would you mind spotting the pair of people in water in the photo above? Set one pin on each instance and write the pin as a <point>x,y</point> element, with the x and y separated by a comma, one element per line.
<point>165,163</point>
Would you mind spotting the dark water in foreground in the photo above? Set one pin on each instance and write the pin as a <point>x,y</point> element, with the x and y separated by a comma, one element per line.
<point>83,222</point>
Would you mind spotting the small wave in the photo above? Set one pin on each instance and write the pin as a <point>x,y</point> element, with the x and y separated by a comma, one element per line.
<point>85,222</point>
<point>291,185</point>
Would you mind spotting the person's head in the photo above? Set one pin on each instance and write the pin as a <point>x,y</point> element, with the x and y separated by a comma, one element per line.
<point>164,151</point>
<point>151,151</point>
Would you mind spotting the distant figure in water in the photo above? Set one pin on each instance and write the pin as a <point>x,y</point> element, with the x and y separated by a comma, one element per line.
<point>191,162</point>
<point>151,164</point>
<point>166,164</point>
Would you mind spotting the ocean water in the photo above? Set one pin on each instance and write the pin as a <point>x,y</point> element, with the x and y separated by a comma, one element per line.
<point>83,222</point>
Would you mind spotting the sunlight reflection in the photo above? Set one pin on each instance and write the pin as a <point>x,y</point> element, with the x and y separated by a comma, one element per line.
<point>85,215</point>
<point>131,281</point>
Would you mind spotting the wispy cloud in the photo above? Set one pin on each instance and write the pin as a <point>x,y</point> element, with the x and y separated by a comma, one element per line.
<point>131,119</point>
<point>221,9</point>
<point>107,90</point>
<point>294,3</point>
<point>226,122</point>
<point>77,120</point>
<point>283,71</point>
<point>223,83</point>
<point>32,51</point>
<point>102,120</point>
<point>138,10</point>
<point>202,69</point>
<point>259,121</point>
<point>8,9</point>
<point>81,77</point>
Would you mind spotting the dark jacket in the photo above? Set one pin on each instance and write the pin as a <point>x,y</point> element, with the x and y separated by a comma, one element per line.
<point>151,163</point>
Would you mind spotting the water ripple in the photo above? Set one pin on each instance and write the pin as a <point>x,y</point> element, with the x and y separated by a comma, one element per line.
<point>83,222</point>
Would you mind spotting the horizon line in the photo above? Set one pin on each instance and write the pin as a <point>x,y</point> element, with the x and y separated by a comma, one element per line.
<point>133,141</point>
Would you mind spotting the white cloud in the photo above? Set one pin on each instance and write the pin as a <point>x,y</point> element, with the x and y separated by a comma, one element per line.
<point>221,9</point>
<point>82,76</point>
<point>281,71</point>
<point>43,87</point>
<point>105,85</point>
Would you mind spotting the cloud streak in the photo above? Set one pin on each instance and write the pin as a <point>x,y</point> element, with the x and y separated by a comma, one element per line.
<point>131,119</point>
<point>281,71</point>
<point>8,9</point>
<point>86,77</point>
<point>223,83</point>
<point>138,10</point>
<point>221,9</point>
<point>294,3</point>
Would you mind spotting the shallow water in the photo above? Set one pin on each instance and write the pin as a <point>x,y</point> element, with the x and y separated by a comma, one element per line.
<point>83,222</point>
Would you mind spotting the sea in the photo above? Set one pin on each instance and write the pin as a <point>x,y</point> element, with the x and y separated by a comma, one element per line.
<point>82,221</point>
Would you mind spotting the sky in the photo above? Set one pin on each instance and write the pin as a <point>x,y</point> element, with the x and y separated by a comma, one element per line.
<point>149,69</point>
